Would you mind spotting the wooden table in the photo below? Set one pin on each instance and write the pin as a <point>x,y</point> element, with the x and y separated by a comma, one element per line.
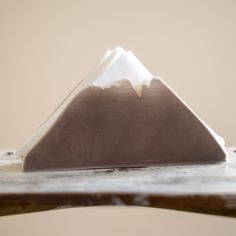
<point>207,189</point>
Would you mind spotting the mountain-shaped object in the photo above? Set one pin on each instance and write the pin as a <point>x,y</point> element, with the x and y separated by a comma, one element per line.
<point>120,115</point>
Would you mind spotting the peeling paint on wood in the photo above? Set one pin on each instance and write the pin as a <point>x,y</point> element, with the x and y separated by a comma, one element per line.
<point>205,188</point>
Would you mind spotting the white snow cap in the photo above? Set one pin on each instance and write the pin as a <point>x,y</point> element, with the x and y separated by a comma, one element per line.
<point>117,65</point>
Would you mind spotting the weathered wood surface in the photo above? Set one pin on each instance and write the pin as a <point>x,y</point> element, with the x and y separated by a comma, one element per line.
<point>207,189</point>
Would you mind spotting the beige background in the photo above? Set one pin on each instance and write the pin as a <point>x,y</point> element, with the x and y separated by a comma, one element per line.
<point>47,46</point>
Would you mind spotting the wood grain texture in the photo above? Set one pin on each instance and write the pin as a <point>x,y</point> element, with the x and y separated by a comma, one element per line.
<point>208,188</point>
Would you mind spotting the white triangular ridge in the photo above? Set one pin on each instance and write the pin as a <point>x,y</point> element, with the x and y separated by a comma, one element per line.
<point>126,66</point>
<point>114,66</point>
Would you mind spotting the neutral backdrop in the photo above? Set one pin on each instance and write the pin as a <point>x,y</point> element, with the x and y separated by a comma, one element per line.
<point>47,47</point>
